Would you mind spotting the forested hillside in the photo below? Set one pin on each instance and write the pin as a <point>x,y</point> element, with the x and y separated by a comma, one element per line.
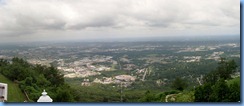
<point>218,86</point>
<point>33,79</point>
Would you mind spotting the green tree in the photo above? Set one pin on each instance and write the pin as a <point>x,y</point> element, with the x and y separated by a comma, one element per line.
<point>179,84</point>
<point>234,95</point>
<point>223,71</point>
<point>41,80</point>
<point>220,92</point>
<point>148,97</point>
<point>226,68</point>
<point>64,95</point>
<point>211,78</point>
<point>215,89</point>
<point>202,93</point>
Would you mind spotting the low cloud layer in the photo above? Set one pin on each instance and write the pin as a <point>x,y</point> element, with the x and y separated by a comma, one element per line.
<point>72,19</point>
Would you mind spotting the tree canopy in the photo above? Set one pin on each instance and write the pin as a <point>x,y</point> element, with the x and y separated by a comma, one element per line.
<point>33,79</point>
<point>179,84</point>
<point>215,87</point>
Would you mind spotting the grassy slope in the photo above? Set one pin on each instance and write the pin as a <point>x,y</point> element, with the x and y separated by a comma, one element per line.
<point>187,96</point>
<point>14,92</point>
<point>235,80</point>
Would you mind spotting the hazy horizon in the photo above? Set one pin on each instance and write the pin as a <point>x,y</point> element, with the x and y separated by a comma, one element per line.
<point>139,39</point>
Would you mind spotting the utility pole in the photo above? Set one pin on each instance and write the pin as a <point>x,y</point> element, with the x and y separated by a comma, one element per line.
<point>121,99</point>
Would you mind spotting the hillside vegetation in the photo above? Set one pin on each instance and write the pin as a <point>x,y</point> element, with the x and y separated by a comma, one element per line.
<point>218,86</point>
<point>33,79</point>
<point>14,92</point>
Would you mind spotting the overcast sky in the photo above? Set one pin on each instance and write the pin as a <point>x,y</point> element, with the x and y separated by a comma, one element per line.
<point>45,20</point>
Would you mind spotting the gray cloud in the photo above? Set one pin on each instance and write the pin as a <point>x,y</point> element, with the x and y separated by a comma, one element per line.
<point>128,17</point>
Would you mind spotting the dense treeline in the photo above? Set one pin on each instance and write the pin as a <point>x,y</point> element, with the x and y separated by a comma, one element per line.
<point>216,87</point>
<point>33,79</point>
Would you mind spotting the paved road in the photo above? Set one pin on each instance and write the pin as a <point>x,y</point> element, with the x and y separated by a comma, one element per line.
<point>170,95</point>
